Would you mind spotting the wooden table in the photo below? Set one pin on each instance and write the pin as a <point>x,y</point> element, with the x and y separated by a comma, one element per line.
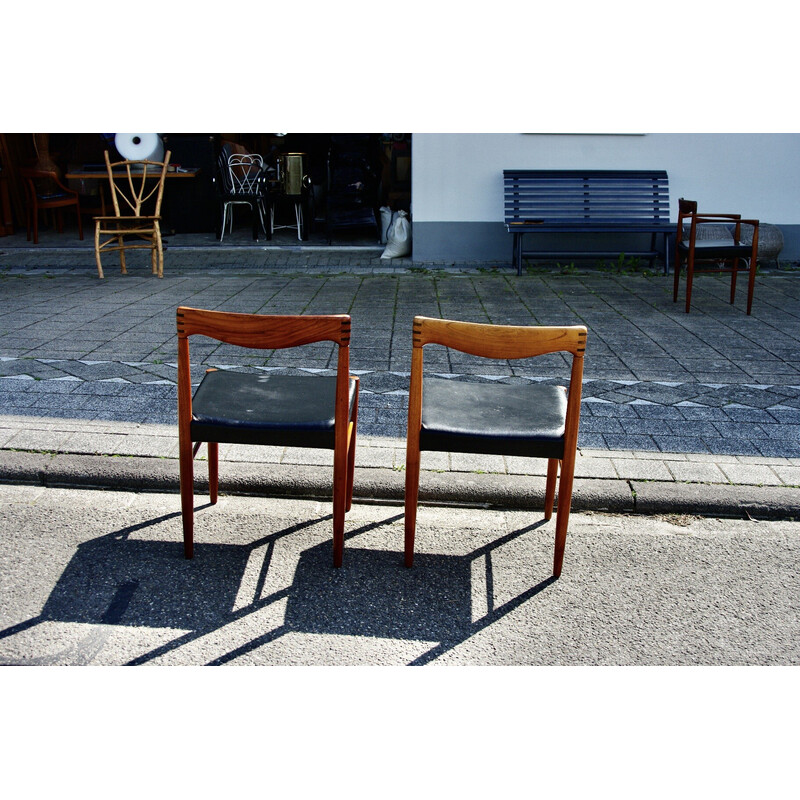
<point>102,175</point>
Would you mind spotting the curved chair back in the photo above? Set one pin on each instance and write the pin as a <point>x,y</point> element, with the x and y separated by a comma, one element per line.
<point>245,173</point>
<point>134,183</point>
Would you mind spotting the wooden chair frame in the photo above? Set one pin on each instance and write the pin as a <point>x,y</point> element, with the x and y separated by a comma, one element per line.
<point>129,192</point>
<point>720,253</point>
<point>267,332</point>
<point>64,198</point>
<point>498,342</point>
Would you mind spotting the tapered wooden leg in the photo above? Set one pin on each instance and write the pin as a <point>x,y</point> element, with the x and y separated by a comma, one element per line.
<point>562,513</point>
<point>187,495</point>
<point>339,503</point>
<point>689,280</point>
<point>123,268</point>
<point>159,250</point>
<point>351,451</point>
<point>751,284</point>
<point>97,250</point>
<point>213,471</point>
<point>550,487</point>
<point>734,272</point>
<point>412,495</point>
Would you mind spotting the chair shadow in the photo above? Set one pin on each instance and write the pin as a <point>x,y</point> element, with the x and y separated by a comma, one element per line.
<point>117,580</point>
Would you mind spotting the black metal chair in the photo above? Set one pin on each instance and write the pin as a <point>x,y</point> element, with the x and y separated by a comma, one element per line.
<point>241,182</point>
<point>691,249</point>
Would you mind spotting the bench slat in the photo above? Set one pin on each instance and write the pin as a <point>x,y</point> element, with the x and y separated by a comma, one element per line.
<point>576,201</point>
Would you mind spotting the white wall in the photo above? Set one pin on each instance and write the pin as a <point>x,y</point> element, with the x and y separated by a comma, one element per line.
<point>458,177</point>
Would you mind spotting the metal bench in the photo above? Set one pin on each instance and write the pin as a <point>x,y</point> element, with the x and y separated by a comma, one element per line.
<point>586,201</point>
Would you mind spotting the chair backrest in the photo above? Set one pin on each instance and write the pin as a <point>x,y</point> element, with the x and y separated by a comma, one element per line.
<point>499,341</point>
<point>265,332</point>
<point>503,342</point>
<point>245,173</point>
<point>135,182</point>
<point>42,183</point>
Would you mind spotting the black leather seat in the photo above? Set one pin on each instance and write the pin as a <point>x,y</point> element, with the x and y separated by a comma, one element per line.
<point>245,408</point>
<point>518,420</point>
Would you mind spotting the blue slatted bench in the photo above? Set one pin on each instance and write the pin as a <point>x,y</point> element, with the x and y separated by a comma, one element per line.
<point>586,201</point>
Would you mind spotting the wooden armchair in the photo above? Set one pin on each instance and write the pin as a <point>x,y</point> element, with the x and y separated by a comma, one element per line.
<point>533,419</point>
<point>44,191</point>
<point>133,184</point>
<point>723,253</point>
<point>245,408</point>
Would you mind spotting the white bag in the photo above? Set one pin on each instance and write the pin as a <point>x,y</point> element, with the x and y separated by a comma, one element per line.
<point>387,218</point>
<point>399,237</point>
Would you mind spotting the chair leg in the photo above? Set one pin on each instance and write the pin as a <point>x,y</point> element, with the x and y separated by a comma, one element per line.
<point>213,472</point>
<point>412,496</point>
<point>734,270</point>
<point>221,234</point>
<point>80,223</point>
<point>689,280</point>
<point>187,495</point>
<point>123,267</point>
<point>97,250</point>
<point>562,512</point>
<point>351,453</point>
<point>751,283</point>
<point>160,249</point>
<point>340,459</point>
<point>550,487</point>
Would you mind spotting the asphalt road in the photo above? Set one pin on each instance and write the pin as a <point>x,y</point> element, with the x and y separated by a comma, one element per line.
<point>98,577</point>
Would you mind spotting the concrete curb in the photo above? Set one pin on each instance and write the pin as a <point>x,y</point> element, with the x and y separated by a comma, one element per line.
<point>386,485</point>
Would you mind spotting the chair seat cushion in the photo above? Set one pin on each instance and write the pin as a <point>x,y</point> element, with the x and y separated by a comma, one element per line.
<point>720,248</point>
<point>521,419</point>
<point>246,408</point>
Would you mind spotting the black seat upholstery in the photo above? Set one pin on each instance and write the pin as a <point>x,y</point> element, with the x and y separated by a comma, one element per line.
<point>518,420</point>
<point>245,408</point>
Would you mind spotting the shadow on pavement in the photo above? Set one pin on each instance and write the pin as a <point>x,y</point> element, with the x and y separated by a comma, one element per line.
<point>117,580</point>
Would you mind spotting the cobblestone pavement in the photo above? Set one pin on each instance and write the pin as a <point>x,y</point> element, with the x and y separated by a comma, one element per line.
<point>714,394</point>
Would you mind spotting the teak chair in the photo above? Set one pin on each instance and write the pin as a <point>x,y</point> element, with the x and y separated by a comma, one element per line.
<point>724,252</point>
<point>129,192</point>
<point>244,408</point>
<point>536,420</point>
<point>49,194</point>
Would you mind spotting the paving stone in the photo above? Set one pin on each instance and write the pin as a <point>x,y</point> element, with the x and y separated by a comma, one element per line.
<point>696,472</point>
<point>640,469</point>
<point>754,474</point>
